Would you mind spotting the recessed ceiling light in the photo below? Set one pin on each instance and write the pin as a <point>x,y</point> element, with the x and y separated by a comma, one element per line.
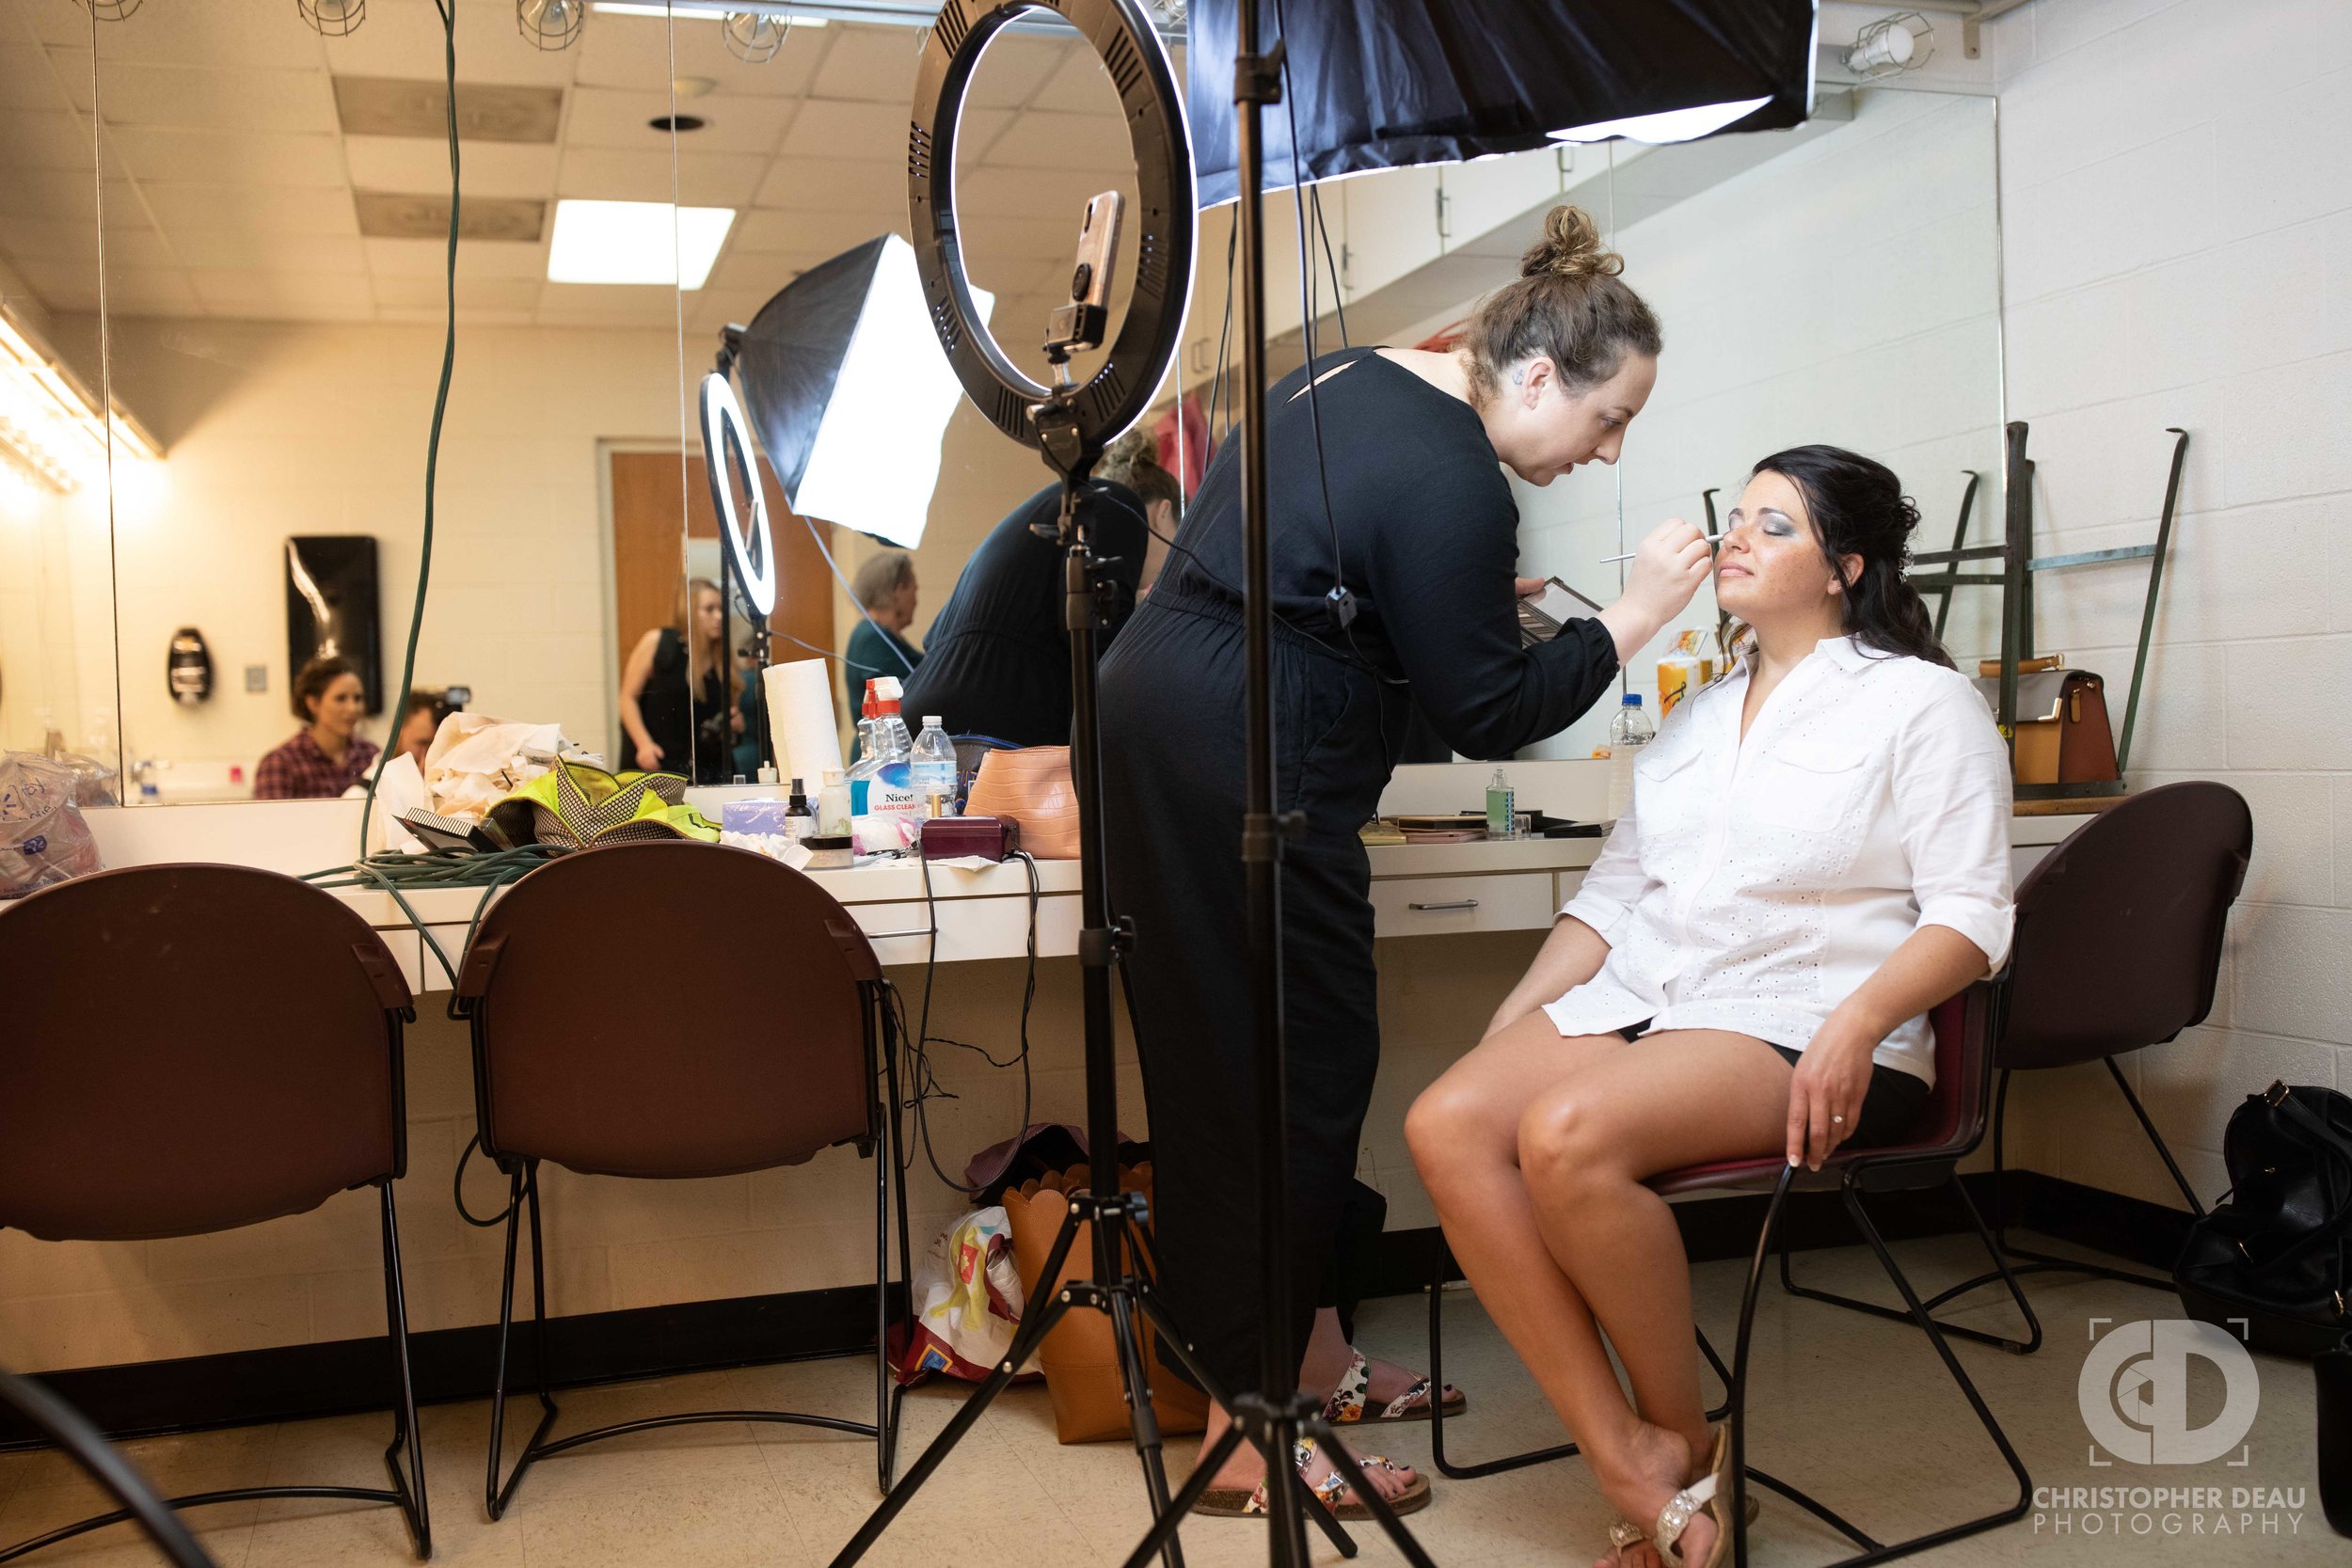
<point>675,122</point>
<point>636,242</point>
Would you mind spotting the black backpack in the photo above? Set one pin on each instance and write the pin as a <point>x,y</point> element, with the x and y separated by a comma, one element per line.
<point>2277,1253</point>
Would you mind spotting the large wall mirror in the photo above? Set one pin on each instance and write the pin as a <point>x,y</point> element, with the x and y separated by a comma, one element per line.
<point>268,319</point>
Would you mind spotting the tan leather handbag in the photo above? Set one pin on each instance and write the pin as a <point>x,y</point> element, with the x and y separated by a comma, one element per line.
<point>1079,1359</point>
<point>2063,735</point>
<point>1031,786</point>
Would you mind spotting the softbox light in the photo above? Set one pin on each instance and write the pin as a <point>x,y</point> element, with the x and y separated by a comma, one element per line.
<point>849,392</point>
<point>1381,84</point>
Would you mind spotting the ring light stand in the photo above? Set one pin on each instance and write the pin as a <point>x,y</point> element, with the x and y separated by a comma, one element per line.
<point>1070,424</point>
<point>747,556</point>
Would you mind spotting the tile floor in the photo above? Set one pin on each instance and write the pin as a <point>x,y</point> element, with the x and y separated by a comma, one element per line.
<point>1853,1408</point>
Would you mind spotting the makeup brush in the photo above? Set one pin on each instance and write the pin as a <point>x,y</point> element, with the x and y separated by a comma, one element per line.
<point>1613,559</point>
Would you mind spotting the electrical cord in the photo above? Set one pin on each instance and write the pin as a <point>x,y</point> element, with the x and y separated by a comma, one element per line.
<point>922,1081</point>
<point>448,12</point>
<point>398,874</point>
<point>834,567</point>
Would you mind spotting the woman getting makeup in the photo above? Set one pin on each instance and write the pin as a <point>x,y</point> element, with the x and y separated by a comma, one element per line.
<point>1816,853</point>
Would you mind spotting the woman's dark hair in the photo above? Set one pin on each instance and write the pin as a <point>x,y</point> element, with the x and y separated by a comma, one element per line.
<point>1858,508</point>
<point>1568,304</point>
<point>311,681</point>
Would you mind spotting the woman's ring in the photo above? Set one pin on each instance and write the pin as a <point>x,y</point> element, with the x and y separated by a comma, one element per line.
<point>1838,1121</point>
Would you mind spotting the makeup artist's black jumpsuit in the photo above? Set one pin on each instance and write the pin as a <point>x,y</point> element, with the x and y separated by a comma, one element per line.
<point>1428,535</point>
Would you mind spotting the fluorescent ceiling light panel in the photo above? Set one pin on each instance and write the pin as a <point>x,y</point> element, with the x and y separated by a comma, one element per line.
<point>636,242</point>
<point>875,461</point>
<point>51,425</point>
<point>1704,120</point>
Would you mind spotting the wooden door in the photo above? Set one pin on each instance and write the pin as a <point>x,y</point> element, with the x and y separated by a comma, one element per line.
<point>648,557</point>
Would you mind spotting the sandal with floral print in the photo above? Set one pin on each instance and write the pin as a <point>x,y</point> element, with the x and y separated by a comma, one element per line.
<point>1332,1491</point>
<point>1350,1404</point>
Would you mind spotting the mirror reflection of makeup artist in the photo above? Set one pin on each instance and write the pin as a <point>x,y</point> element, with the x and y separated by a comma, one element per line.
<point>673,687</point>
<point>327,756</point>
<point>997,660</point>
<point>1550,371</point>
<point>885,588</point>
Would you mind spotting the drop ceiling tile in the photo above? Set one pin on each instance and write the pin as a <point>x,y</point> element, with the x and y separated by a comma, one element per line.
<point>150,292</point>
<point>60,195</point>
<point>977,133</point>
<point>50,138</point>
<point>60,283</point>
<point>988,242</point>
<point>78,242</point>
<point>405,40</point>
<point>182,207</point>
<point>870,64</point>
<point>487,168</point>
<point>608,117</point>
<point>271,36</point>
<point>633,51</point>
<point>1042,140</point>
<point>240,249</point>
<point>759,274</point>
<point>269,292</point>
<point>1078,86</point>
<point>1027,193</point>
<point>424,259</point>
<point>145,94</point>
<point>44,78</point>
<point>149,152</point>
<point>608,305</point>
<point>835,186</point>
<point>473,293</point>
<point>1012,67</point>
<point>828,128</point>
<point>766,231</point>
<point>704,178</point>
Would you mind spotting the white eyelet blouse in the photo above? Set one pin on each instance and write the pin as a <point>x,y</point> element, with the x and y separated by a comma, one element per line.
<point>1752,887</point>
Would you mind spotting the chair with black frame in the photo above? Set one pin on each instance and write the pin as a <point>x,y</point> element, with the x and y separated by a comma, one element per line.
<point>769,1038</point>
<point>2118,945</point>
<point>269,1080</point>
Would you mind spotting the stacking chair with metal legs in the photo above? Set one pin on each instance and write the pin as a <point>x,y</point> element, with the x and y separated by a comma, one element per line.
<point>195,1048</point>
<point>666,1011</point>
<point>2118,945</point>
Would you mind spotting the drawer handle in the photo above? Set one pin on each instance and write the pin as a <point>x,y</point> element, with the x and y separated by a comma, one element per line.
<point>1450,904</point>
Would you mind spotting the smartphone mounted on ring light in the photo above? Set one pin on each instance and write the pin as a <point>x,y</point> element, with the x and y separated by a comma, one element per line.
<point>1081,323</point>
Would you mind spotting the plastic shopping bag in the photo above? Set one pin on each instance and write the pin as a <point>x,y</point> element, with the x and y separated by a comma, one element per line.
<point>967,1303</point>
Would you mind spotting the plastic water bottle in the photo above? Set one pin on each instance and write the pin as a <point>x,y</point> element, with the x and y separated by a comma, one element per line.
<point>932,769</point>
<point>1629,732</point>
<point>891,792</point>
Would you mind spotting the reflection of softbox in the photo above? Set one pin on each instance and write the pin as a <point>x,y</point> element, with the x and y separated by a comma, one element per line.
<point>1379,84</point>
<point>849,391</point>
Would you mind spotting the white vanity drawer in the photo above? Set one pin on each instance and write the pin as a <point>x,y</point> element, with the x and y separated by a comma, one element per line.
<point>1417,906</point>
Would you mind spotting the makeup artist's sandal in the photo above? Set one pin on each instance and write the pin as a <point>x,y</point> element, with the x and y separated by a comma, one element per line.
<point>1703,1495</point>
<point>1350,1405</point>
<point>1234,1502</point>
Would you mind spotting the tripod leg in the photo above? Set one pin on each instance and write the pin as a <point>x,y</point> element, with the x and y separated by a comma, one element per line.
<point>1383,1516</point>
<point>1035,1324</point>
<point>1142,1418</point>
<point>1164,1529</point>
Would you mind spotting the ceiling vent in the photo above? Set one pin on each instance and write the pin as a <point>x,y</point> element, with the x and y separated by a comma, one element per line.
<point>486,111</point>
<point>396,215</point>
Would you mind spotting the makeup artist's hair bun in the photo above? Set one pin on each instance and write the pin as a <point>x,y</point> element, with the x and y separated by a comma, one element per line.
<point>1570,248</point>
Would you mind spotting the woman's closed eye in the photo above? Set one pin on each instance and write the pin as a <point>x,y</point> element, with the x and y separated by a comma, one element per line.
<point>1773,523</point>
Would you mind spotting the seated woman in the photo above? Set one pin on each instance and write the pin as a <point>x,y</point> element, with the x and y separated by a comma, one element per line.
<point>1816,855</point>
<point>327,756</point>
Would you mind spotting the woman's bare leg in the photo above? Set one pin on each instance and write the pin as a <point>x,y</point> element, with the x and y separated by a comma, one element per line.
<point>1464,1135</point>
<point>1585,1145</point>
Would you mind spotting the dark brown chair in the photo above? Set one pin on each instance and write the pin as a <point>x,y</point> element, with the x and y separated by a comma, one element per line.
<point>192,1049</point>
<point>669,1010</point>
<point>2118,945</point>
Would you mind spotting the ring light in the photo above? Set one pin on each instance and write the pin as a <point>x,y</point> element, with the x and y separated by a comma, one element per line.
<point>727,452</point>
<point>1130,51</point>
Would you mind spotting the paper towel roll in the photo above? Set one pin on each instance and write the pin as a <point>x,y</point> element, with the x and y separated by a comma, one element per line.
<point>800,716</point>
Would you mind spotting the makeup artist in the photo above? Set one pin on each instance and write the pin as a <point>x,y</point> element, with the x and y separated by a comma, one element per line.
<point>1420,517</point>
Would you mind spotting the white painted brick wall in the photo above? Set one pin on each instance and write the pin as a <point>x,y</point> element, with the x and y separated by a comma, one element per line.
<point>2176,186</point>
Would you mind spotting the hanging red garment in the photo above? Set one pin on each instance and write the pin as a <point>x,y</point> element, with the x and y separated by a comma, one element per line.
<point>1183,434</point>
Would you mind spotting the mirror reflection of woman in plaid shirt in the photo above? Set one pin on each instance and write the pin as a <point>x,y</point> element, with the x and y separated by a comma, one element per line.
<point>327,756</point>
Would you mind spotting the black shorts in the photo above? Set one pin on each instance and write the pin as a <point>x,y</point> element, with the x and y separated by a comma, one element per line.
<point>1889,1106</point>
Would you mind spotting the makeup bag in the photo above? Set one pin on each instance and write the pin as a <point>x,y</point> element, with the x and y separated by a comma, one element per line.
<point>2277,1256</point>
